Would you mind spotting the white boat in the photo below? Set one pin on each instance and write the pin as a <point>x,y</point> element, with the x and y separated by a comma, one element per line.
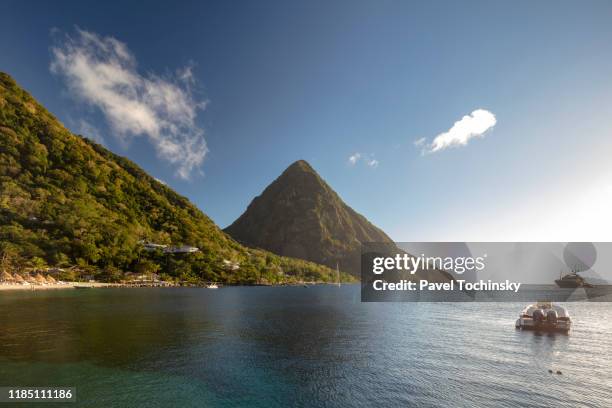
<point>212,286</point>
<point>544,316</point>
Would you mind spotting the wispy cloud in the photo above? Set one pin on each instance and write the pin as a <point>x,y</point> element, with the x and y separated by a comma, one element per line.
<point>103,72</point>
<point>354,158</point>
<point>367,160</point>
<point>420,142</point>
<point>470,126</point>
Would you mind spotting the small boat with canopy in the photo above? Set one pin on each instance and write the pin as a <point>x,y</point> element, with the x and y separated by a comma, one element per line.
<point>544,316</point>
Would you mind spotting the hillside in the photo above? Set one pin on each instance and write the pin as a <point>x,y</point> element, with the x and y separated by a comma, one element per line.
<point>300,215</point>
<point>65,201</point>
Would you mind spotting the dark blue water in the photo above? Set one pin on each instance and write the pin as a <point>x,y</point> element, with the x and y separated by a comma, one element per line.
<point>292,346</point>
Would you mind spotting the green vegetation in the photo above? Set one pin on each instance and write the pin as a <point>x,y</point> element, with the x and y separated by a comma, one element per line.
<point>301,216</point>
<point>65,201</point>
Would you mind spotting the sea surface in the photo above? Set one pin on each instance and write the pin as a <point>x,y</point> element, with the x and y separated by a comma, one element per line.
<point>294,346</point>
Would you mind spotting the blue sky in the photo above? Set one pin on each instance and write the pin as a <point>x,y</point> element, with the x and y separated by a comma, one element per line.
<point>268,83</point>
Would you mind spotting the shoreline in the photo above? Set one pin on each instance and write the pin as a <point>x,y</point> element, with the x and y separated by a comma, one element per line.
<point>71,285</point>
<point>56,286</point>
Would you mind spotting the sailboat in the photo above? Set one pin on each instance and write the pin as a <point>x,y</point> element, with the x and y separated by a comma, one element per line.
<point>338,275</point>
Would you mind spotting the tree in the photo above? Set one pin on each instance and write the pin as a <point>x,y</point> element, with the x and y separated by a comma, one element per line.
<point>38,263</point>
<point>9,256</point>
<point>111,274</point>
<point>146,266</point>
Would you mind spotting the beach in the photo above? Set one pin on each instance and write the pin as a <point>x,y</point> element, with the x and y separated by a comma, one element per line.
<point>53,286</point>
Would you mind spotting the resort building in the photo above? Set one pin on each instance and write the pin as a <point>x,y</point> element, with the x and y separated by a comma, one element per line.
<point>149,246</point>
<point>185,249</point>
<point>181,250</point>
<point>230,265</point>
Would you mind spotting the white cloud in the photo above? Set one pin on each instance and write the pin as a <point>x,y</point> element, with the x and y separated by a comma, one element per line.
<point>353,159</point>
<point>103,72</point>
<point>368,161</point>
<point>186,74</point>
<point>469,127</point>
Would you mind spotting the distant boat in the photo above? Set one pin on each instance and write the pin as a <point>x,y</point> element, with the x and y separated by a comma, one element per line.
<point>212,286</point>
<point>338,275</point>
<point>572,280</point>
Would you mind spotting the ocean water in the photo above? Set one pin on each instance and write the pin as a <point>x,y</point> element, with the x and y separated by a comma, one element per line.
<point>294,346</point>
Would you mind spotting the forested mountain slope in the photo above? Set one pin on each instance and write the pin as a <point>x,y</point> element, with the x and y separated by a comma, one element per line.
<point>65,200</point>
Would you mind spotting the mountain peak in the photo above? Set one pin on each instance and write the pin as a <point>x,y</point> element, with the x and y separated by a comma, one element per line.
<point>301,164</point>
<point>299,167</point>
<point>300,215</point>
<point>300,173</point>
